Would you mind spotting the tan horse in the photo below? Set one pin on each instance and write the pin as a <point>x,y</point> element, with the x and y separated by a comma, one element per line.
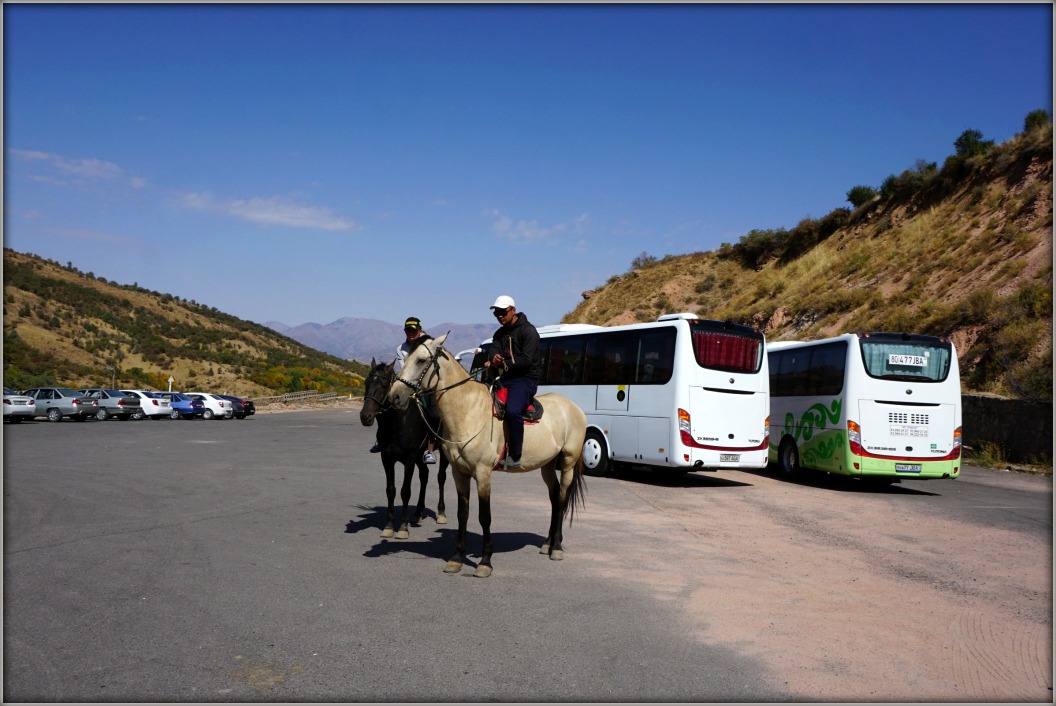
<point>473,441</point>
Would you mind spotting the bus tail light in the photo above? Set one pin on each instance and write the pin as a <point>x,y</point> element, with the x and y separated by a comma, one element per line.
<point>766,432</point>
<point>854,437</point>
<point>683,420</point>
<point>956,444</point>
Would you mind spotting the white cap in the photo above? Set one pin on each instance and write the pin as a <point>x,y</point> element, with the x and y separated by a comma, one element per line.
<point>503,302</point>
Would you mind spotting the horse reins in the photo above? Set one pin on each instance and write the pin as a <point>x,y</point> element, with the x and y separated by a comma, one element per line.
<point>416,395</point>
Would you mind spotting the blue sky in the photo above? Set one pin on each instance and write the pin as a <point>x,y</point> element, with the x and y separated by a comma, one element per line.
<point>305,163</point>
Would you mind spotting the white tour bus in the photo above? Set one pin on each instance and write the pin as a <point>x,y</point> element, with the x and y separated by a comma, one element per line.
<point>876,405</point>
<point>680,392</point>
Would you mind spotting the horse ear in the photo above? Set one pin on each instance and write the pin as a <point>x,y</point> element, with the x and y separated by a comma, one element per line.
<point>440,341</point>
<point>373,363</point>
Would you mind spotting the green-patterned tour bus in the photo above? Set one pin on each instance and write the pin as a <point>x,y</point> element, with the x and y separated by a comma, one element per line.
<point>880,406</point>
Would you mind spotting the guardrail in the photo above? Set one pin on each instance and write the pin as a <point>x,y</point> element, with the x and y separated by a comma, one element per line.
<point>299,396</point>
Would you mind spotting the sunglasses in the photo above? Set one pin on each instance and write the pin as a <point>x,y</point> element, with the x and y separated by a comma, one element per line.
<point>499,313</point>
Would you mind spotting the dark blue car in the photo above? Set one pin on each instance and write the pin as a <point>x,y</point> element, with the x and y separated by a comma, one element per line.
<point>184,407</point>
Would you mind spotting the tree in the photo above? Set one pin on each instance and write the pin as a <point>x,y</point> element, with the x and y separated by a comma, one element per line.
<point>1036,119</point>
<point>861,195</point>
<point>971,143</point>
<point>644,259</point>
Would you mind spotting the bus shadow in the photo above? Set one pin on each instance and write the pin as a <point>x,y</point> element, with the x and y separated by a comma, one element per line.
<point>842,484</point>
<point>663,478</point>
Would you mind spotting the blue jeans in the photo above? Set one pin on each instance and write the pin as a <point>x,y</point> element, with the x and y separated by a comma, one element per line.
<point>519,392</point>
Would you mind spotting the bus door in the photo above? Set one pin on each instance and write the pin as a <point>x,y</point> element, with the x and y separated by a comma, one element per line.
<point>610,364</point>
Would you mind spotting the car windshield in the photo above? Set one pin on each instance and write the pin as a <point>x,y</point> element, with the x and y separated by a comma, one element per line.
<point>9,391</point>
<point>67,392</point>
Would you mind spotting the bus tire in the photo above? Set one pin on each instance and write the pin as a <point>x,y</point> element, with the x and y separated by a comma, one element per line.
<point>596,454</point>
<point>788,459</point>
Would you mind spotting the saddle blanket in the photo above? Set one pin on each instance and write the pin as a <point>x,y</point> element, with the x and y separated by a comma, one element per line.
<point>532,413</point>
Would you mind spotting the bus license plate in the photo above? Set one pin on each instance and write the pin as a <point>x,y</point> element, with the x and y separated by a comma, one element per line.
<point>907,468</point>
<point>729,458</point>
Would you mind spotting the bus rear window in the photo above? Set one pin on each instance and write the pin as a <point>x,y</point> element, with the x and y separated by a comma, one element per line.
<point>729,352</point>
<point>906,360</point>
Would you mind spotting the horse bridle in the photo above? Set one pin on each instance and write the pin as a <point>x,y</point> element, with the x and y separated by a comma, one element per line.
<point>383,404</point>
<point>416,387</point>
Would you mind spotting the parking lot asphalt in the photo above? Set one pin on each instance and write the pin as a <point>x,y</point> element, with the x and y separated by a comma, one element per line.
<point>241,560</point>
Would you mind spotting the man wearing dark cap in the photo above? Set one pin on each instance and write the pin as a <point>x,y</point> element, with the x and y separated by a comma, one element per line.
<point>412,329</point>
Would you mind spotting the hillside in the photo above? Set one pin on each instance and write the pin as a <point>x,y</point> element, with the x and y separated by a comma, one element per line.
<point>63,326</point>
<point>964,251</point>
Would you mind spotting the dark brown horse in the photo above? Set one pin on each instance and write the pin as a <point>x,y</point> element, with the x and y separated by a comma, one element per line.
<point>402,435</point>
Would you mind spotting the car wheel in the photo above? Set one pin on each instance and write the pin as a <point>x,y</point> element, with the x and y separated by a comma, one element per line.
<point>174,414</point>
<point>102,415</point>
<point>136,416</point>
<point>54,415</point>
<point>595,454</point>
<point>207,414</point>
<point>788,459</point>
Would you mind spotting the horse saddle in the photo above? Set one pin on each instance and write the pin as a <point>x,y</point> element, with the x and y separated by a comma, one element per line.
<point>532,413</point>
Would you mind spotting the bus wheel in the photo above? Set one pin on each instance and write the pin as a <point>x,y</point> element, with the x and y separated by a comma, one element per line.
<point>595,454</point>
<point>788,459</point>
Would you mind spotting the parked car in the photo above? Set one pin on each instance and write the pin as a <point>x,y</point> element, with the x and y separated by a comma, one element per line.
<point>243,408</point>
<point>152,404</point>
<point>112,403</point>
<point>216,407</point>
<point>18,407</point>
<point>183,407</point>
<point>58,402</point>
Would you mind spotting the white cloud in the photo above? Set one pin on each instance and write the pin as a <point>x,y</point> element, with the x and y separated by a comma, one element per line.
<point>77,169</point>
<point>525,231</point>
<point>272,211</point>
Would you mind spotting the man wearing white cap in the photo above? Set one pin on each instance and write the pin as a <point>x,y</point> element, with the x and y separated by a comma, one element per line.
<point>514,352</point>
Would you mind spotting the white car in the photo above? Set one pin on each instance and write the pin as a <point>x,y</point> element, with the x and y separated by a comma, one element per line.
<point>152,405</point>
<point>216,407</point>
<point>18,407</point>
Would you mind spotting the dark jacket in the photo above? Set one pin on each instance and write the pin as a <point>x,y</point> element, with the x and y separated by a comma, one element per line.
<point>519,345</point>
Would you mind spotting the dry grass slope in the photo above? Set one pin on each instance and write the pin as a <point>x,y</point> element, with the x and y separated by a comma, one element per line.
<point>973,264</point>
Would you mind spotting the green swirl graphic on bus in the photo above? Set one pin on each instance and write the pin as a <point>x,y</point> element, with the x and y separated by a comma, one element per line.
<point>817,416</point>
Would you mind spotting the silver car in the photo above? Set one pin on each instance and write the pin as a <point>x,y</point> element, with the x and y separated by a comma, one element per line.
<point>58,402</point>
<point>113,403</point>
<point>18,407</point>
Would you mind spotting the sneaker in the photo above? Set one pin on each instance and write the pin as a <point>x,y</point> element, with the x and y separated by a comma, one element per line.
<point>513,463</point>
<point>429,458</point>
<point>376,448</point>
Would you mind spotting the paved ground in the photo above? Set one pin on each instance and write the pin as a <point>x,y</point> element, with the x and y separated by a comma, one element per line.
<point>241,560</point>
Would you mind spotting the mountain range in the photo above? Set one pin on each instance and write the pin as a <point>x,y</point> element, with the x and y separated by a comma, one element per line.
<point>365,339</point>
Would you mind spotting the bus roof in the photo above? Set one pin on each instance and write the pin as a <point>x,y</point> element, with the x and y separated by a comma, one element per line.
<point>555,328</point>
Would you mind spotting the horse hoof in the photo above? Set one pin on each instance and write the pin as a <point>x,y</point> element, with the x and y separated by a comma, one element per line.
<point>441,519</point>
<point>453,567</point>
<point>483,571</point>
<point>545,549</point>
<point>403,534</point>
<point>557,555</point>
<point>387,533</point>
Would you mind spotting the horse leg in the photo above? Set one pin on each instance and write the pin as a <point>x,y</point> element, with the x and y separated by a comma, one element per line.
<point>552,545</point>
<point>454,564</point>
<point>405,495</point>
<point>390,493</point>
<point>441,478</point>
<point>423,482</point>
<point>484,499</point>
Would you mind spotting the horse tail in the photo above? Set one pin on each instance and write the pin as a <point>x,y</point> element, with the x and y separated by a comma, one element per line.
<point>576,491</point>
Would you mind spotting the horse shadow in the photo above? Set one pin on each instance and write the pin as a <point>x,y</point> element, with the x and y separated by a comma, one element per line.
<point>435,543</point>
